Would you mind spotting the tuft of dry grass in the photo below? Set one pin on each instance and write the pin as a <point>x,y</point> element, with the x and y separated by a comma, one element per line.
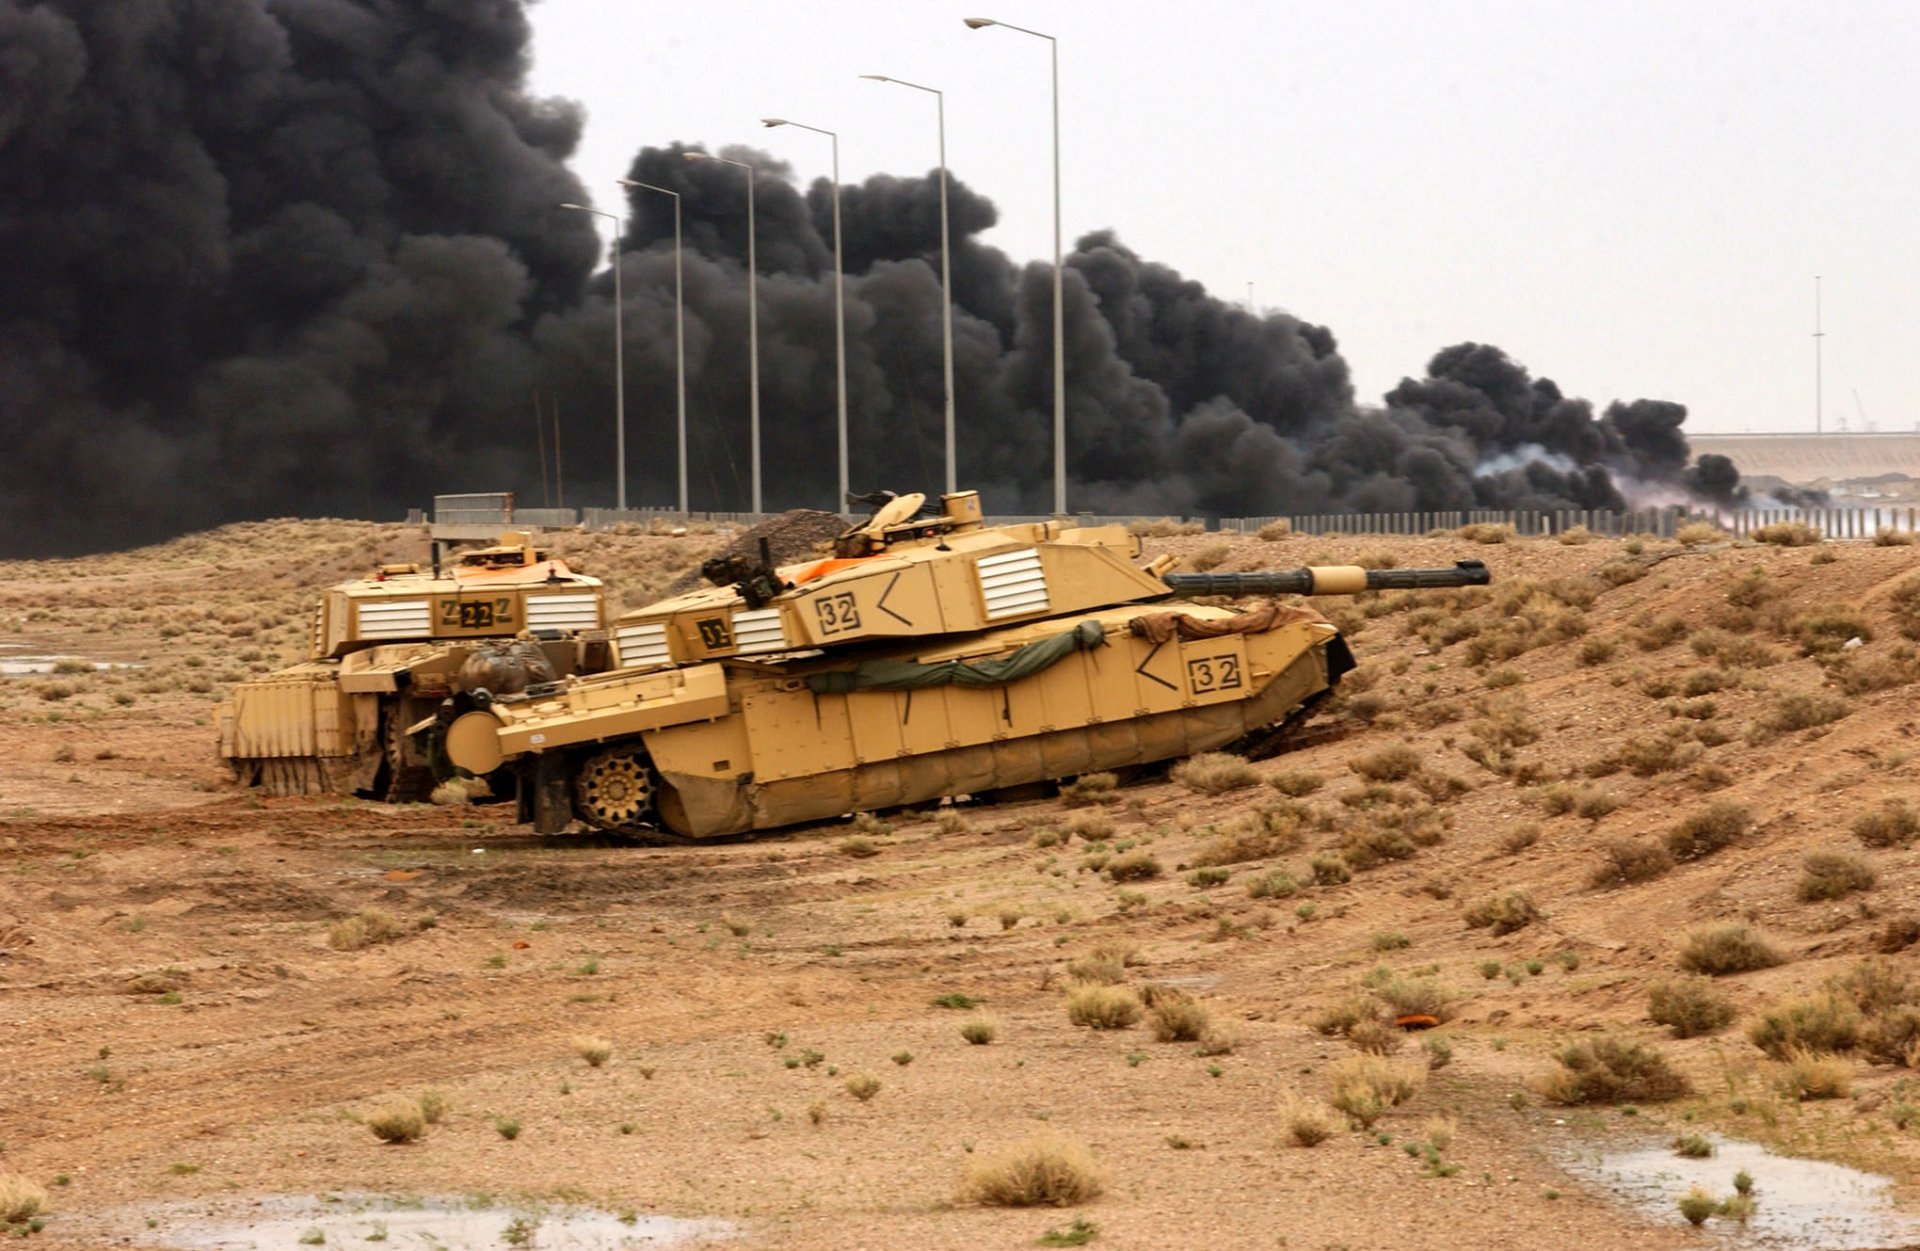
<point>1306,1122</point>
<point>1105,965</point>
<point>1630,861</point>
<point>1893,824</point>
<point>1721,947</point>
<point>1176,1016</point>
<point>21,1199</point>
<point>1787,534</point>
<point>1695,533</point>
<point>1274,531</point>
<point>595,1050</point>
<point>1365,1086</point>
<point>1215,773</point>
<point>1090,825</point>
<point>1817,1075</point>
<point>1831,874</point>
<point>364,929</point>
<point>1504,913</point>
<point>1689,1006</point>
<point>1045,1170</point>
<point>1089,788</point>
<point>1255,835</point>
<point>1296,784</point>
<point>434,1106</point>
<point>859,847</point>
<point>863,1086</point>
<point>1139,865</point>
<point>980,1031</point>
<point>1822,1022</point>
<point>1698,1203</point>
<point>1801,712</point>
<point>1904,603</point>
<point>398,1122</point>
<point>1395,762</point>
<point>1486,532</point>
<point>1102,1007</point>
<point>1705,832</point>
<point>1612,1070</point>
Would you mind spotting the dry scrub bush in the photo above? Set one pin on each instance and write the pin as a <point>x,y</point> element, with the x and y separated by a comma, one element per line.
<point>1395,762</point>
<point>1274,531</point>
<point>1889,536</point>
<point>1176,1016</point>
<point>1256,835</point>
<point>363,929</point>
<point>1862,675</point>
<point>1338,1020</point>
<point>1411,995</point>
<point>1628,862</point>
<point>863,1086</point>
<point>1504,913</point>
<point>1047,1169</point>
<point>1705,832</point>
<point>1486,532</point>
<point>1306,1122</point>
<point>1832,874</point>
<point>1722,947</point>
<point>1364,1086</point>
<point>1817,1075</point>
<point>1828,631</point>
<point>1802,712</point>
<point>980,1031</point>
<point>1134,866</point>
<point>21,1199</point>
<point>1612,1070</point>
<point>1273,884</point>
<point>1091,825</point>
<point>1209,557</point>
<point>858,847</point>
<point>1595,651</point>
<point>1893,824</point>
<point>434,1106</point>
<point>595,1050</point>
<point>1904,603</point>
<point>1827,1021</point>
<point>1089,788</point>
<point>397,1122</point>
<point>1215,773</point>
<point>1105,965</point>
<point>1102,1007</point>
<point>1787,534</point>
<point>1376,1038</point>
<point>1164,528</point>
<point>1573,536</point>
<point>1689,1006</point>
<point>1296,784</point>
<point>1695,533</point>
<point>1698,1204</point>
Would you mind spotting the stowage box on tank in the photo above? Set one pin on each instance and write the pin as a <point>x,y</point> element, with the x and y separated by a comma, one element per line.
<point>386,650</point>
<point>929,656</point>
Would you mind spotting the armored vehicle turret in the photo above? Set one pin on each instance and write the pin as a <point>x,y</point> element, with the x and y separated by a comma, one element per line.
<point>386,649</point>
<point>927,656</point>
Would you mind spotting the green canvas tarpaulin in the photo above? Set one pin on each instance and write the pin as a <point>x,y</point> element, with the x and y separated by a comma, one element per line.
<point>910,675</point>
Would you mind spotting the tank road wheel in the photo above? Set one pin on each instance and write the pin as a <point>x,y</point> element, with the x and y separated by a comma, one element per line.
<point>405,779</point>
<point>615,790</point>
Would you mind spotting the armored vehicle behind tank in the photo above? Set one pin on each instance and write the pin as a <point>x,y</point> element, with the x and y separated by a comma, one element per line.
<point>388,648</point>
<point>929,656</point>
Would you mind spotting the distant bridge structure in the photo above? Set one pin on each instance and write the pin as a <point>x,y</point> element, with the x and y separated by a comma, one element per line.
<point>1804,459</point>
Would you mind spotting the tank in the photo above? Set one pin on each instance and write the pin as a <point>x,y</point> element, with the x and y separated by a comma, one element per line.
<point>389,649</point>
<point>928,656</point>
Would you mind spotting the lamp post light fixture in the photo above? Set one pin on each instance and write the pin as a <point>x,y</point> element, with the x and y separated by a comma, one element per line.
<point>753,322</point>
<point>1059,337</point>
<point>946,264</point>
<point>839,303</point>
<point>619,357</point>
<point>679,334</point>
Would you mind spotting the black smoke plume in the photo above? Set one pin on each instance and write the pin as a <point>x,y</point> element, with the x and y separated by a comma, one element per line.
<point>305,256</point>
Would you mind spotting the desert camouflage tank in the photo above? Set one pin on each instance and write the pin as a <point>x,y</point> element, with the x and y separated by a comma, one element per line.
<point>387,649</point>
<point>928,656</point>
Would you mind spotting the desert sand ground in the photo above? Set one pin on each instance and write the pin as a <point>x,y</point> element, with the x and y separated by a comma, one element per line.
<point>178,1034</point>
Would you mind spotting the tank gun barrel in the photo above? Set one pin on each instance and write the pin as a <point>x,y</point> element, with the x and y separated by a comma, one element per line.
<point>1328,580</point>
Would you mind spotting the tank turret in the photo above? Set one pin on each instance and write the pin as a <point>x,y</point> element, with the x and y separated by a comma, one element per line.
<point>929,655</point>
<point>387,649</point>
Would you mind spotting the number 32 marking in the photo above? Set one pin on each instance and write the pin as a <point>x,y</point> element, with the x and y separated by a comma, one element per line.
<point>1213,673</point>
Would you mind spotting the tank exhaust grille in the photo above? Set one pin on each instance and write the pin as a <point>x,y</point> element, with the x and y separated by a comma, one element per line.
<point>1013,584</point>
<point>395,619</point>
<point>642,646</point>
<point>758,631</point>
<point>563,612</point>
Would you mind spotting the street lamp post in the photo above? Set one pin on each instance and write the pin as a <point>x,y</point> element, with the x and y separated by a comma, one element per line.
<point>839,302</point>
<point>946,265</point>
<point>619,358</point>
<point>1059,337</point>
<point>679,335</point>
<point>753,323</point>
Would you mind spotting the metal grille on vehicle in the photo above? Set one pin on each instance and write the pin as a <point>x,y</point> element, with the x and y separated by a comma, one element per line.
<point>643,645</point>
<point>1012,583</point>
<point>395,619</point>
<point>563,612</point>
<point>758,631</point>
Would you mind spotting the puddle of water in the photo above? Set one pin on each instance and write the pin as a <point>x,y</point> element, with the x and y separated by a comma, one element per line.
<point>38,666</point>
<point>443,1223</point>
<point>1799,1203</point>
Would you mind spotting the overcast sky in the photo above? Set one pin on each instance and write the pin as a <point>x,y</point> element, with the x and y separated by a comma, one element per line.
<point>1632,198</point>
